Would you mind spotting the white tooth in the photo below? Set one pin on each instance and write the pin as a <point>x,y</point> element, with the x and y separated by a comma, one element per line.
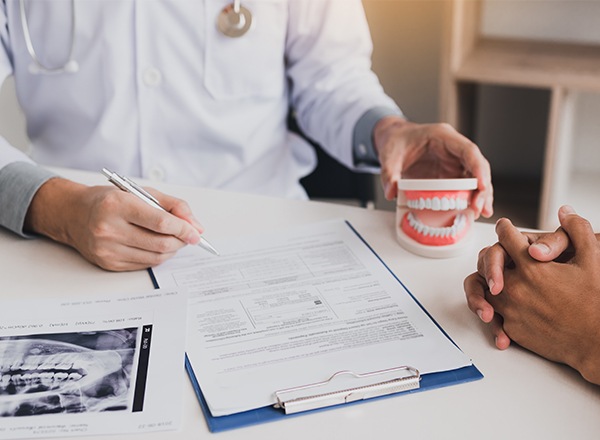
<point>421,203</point>
<point>453,231</point>
<point>46,378</point>
<point>410,219</point>
<point>427,203</point>
<point>64,366</point>
<point>419,227</point>
<point>426,230</point>
<point>4,380</point>
<point>452,203</point>
<point>75,376</point>
<point>461,204</point>
<point>446,232</point>
<point>26,376</point>
<point>60,376</point>
<point>15,378</point>
<point>445,204</point>
<point>436,204</point>
<point>35,376</point>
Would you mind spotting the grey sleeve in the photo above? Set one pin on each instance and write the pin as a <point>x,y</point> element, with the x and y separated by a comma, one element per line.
<point>19,181</point>
<point>364,153</point>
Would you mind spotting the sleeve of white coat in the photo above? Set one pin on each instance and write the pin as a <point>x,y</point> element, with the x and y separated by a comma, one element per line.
<point>20,178</point>
<point>328,56</point>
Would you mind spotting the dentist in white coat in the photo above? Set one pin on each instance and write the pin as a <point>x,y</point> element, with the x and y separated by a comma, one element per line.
<point>195,92</point>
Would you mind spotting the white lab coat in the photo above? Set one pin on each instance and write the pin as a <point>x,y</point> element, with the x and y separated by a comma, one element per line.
<point>161,94</point>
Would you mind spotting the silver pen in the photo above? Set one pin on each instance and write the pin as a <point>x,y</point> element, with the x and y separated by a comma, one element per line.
<point>131,187</point>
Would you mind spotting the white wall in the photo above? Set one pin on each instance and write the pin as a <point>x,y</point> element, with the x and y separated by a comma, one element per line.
<point>572,21</point>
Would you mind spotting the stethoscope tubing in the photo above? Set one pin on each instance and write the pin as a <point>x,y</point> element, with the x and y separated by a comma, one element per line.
<point>68,66</point>
<point>71,66</point>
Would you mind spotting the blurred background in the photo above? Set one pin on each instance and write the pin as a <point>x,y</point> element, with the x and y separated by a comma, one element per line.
<point>510,121</point>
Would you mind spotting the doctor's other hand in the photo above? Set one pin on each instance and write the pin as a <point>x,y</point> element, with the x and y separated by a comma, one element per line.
<point>551,308</point>
<point>109,227</point>
<point>431,151</point>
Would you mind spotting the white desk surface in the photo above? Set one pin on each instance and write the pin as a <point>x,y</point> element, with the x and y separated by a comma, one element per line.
<point>521,395</point>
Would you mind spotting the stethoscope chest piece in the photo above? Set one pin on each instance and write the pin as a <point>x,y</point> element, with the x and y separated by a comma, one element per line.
<point>234,20</point>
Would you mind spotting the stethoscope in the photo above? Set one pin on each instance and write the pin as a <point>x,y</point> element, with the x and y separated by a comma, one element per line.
<point>233,21</point>
<point>70,66</point>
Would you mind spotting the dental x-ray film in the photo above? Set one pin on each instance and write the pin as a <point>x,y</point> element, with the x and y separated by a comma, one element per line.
<point>91,367</point>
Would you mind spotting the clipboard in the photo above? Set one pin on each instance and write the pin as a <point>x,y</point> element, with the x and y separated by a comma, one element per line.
<point>272,413</point>
<point>409,381</point>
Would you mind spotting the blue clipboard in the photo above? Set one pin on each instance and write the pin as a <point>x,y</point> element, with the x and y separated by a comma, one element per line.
<point>269,413</point>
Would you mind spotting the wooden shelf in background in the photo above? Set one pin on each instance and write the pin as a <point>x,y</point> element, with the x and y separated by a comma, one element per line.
<point>532,64</point>
<point>565,69</point>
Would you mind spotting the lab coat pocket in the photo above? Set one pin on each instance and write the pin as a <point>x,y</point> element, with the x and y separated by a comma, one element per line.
<point>252,65</point>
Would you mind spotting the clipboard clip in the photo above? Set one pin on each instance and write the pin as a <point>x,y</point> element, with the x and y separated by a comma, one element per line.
<point>374,384</point>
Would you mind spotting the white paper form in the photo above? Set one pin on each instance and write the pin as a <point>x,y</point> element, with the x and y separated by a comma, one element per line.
<point>92,364</point>
<point>293,307</point>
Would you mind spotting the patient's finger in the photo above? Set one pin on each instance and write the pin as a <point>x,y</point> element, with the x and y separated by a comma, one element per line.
<point>550,246</point>
<point>511,239</point>
<point>490,265</point>
<point>580,232</point>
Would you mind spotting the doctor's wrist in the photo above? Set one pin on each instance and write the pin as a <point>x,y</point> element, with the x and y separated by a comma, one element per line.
<point>388,129</point>
<point>52,207</point>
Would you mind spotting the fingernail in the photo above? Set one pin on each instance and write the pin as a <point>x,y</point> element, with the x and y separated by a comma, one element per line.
<point>567,209</point>
<point>193,238</point>
<point>479,203</point>
<point>543,248</point>
<point>491,284</point>
<point>480,314</point>
<point>386,189</point>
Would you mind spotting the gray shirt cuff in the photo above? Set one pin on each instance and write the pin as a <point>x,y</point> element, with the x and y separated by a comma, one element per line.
<point>363,148</point>
<point>19,181</point>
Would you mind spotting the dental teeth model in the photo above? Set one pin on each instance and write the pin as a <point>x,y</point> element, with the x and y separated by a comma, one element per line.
<point>432,216</point>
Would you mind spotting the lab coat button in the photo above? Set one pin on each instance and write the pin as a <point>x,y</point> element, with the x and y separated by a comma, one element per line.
<point>362,150</point>
<point>152,77</point>
<point>156,174</point>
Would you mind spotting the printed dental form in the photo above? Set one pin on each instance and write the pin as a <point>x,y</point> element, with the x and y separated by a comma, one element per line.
<point>291,308</point>
<point>91,364</point>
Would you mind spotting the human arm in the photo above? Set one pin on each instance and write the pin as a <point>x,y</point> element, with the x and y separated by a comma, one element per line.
<point>551,308</point>
<point>334,91</point>
<point>109,227</point>
<point>492,260</point>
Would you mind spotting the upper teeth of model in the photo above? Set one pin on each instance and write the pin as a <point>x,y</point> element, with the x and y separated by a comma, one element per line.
<point>438,204</point>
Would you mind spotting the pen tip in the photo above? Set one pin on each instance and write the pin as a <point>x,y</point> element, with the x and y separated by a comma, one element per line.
<point>206,245</point>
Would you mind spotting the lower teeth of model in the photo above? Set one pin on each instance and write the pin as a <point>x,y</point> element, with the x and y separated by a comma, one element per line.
<point>448,231</point>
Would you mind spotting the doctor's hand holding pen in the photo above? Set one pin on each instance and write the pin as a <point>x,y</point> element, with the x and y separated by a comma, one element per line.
<point>111,228</point>
<point>428,151</point>
<point>542,291</point>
